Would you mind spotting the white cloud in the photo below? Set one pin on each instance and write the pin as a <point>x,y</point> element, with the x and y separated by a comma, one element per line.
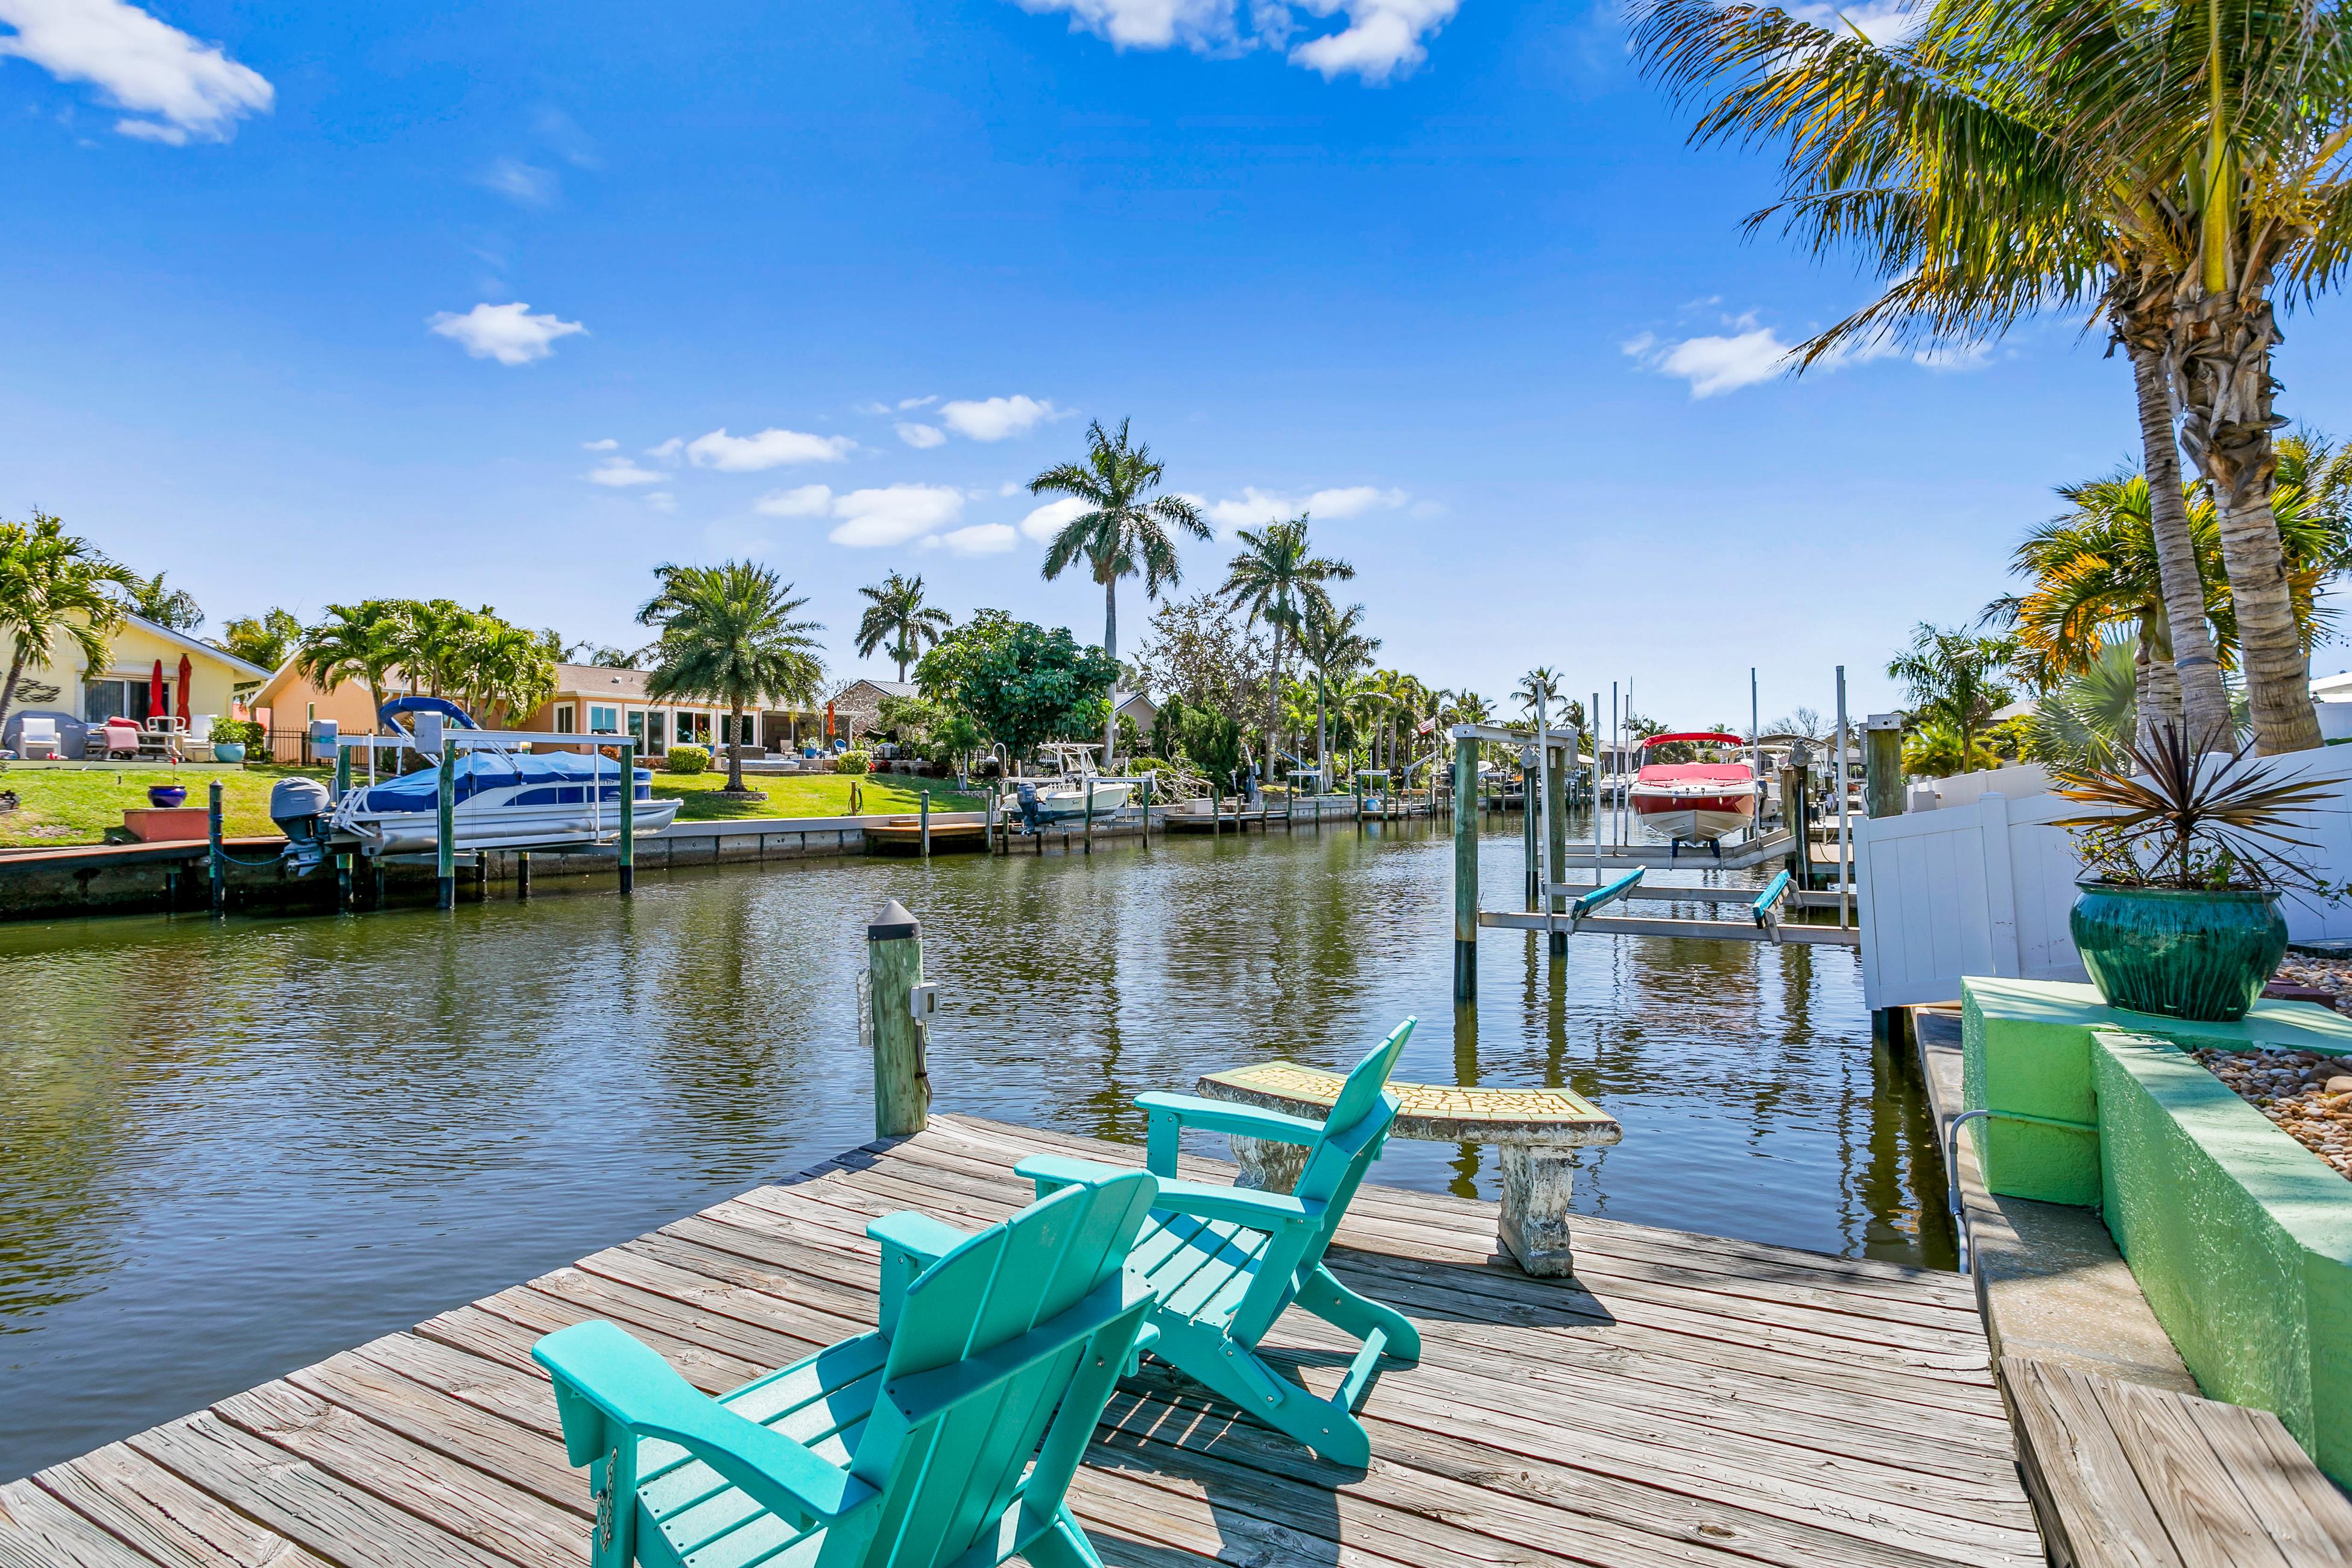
<point>907,403</point>
<point>190,91</point>
<point>516,181</point>
<point>1011,488</point>
<point>769,449</point>
<point>999,418</point>
<point>919,436</point>
<point>606,445</point>
<point>1881,22</point>
<point>509,335</point>
<point>808,500</point>
<point>661,500</point>
<point>981,538</point>
<point>1382,39</point>
<point>1749,353</point>
<point>1254,506</point>
<point>894,514</point>
<point>1049,520</point>
<point>620,473</point>
<point>669,450</point>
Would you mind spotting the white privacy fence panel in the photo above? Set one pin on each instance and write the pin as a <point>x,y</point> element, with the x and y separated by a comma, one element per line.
<point>1985,889</point>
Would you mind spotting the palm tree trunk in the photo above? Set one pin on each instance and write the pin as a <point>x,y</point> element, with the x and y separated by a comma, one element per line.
<point>1274,702</point>
<point>15,674</point>
<point>1110,648</point>
<point>1322,737</point>
<point>2223,344</point>
<point>2157,682</point>
<point>735,749</point>
<point>2200,702</point>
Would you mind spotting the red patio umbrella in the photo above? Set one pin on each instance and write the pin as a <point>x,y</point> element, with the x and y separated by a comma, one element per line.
<point>155,692</point>
<point>186,669</point>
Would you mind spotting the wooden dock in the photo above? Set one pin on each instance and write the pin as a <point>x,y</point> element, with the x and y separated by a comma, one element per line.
<point>1684,1402</point>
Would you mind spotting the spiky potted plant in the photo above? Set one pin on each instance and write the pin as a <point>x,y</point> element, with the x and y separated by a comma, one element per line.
<point>2179,912</point>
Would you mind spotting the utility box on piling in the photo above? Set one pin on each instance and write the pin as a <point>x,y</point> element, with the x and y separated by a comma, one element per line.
<point>896,1020</point>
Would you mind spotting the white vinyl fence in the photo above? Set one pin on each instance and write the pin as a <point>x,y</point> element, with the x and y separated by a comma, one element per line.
<point>1985,889</point>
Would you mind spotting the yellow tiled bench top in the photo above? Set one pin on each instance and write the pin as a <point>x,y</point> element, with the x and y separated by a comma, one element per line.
<point>1438,1112</point>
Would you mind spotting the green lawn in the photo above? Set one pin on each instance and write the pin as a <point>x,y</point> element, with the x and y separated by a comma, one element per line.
<point>814,795</point>
<point>77,805</point>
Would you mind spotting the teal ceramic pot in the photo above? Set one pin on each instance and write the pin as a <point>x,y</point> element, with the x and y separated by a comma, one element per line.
<point>2198,955</point>
<point>229,751</point>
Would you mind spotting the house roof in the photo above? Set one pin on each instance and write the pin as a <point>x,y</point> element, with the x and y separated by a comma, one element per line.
<point>882,687</point>
<point>197,646</point>
<point>600,681</point>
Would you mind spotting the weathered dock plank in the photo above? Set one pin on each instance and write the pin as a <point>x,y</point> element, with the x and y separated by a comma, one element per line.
<point>1685,1402</point>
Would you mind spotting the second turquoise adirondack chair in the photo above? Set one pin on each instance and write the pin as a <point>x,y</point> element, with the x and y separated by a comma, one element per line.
<point>905,1448</point>
<point>1224,1262</point>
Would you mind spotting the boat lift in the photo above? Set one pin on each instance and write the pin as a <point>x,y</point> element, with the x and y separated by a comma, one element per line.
<point>1560,908</point>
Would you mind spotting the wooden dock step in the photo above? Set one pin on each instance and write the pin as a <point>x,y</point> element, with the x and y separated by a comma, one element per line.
<point>1686,1402</point>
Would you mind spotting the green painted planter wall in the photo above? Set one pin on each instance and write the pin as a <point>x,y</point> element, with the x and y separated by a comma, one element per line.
<point>2240,1238</point>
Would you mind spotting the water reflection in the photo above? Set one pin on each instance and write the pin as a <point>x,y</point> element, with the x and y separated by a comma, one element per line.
<point>229,1149</point>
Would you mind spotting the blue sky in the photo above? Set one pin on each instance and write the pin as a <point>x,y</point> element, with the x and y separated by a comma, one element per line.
<point>508,302</point>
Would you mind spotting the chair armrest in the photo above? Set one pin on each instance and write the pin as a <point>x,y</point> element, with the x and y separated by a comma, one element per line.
<point>1243,1206</point>
<point>911,1242</point>
<point>597,1366</point>
<point>1051,1172</point>
<point>1170,1114</point>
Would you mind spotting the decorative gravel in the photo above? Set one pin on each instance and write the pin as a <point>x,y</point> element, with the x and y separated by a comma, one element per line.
<point>2307,1096</point>
<point>2333,975</point>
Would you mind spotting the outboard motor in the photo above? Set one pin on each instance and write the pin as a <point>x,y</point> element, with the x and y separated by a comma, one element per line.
<point>1028,807</point>
<point>299,807</point>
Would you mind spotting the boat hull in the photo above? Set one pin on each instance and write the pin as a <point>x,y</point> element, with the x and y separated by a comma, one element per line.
<point>505,827</point>
<point>1694,815</point>
<point>1057,805</point>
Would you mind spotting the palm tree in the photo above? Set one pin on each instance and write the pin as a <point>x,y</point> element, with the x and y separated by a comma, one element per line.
<point>899,617</point>
<point>53,584</point>
<point>1124,531</point>
<point>2092,715</point>
<point>727,635</point>
<point>1955,165</point>
<point>1542,680</point>
<point>1277,581</point>
<point>1336,648</point>
<point>355,642</point>
<point>264,639</point>
<point>504,670</point>
<point>173,607</point>
<point>1954,680</point>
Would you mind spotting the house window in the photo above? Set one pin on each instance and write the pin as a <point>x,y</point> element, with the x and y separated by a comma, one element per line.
<point>693,729</point>
<point>104,700</point>
<point>657,742</point>
<point>637,730</point>
<point>604,721</point>
<point>566,716</point>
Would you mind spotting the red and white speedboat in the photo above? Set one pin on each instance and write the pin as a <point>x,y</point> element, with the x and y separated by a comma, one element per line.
<point>1694,803</point>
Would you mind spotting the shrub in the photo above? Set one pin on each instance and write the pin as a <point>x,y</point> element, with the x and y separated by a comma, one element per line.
<point>851,763</point>
<point>245,733</point>
<point>688,760</point>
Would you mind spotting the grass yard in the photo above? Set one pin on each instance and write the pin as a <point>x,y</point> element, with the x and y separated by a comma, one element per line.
<point>814,795</point>
<point>58,806</point>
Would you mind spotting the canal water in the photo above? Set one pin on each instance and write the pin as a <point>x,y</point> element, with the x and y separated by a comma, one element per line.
<point>227,1150</point>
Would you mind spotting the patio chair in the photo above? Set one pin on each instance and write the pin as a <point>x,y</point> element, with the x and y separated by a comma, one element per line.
<point>36,738</point>
<point>194,744</point>
<point>115,738</point>
<point>1224,1262</point>
<point>905,1448</point>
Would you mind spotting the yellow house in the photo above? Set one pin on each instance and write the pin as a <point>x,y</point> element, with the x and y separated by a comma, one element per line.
<point>122,684</point>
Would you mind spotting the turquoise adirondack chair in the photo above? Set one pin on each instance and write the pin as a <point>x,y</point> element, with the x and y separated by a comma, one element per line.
<point>1224,1262</point>
<point>905,1448</point>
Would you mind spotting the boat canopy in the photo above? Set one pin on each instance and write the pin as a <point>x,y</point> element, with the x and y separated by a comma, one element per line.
<point>399,707</point>
<point>480,771</point>
<point>1710,737</point>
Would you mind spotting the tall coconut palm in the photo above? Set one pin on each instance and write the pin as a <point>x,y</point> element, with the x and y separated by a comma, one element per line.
<point>727,635</point>
<point>53,586</point>
<point>354,642</point>
<point>1125,529</point>
<point>152,600</point>
<point>1544,681</point>
<point>1952,163</point>
<point>1955,681</point>
<point>1277,581</point>
<point>899,617</point>
<point>1335,647</point>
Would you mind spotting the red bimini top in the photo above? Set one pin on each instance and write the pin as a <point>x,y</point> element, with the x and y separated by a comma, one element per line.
<point>1688,772</point>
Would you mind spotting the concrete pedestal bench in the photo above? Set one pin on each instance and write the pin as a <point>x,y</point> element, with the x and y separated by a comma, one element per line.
<point>1538,1131</point>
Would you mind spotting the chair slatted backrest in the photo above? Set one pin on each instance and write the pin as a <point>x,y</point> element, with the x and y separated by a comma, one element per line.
<point>948,1468</point>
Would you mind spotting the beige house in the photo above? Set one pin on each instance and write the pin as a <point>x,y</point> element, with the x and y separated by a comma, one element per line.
<point>122,684</point>
<point>590,700</point>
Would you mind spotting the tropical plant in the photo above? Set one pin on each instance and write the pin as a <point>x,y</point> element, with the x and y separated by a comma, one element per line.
<point>1124,531</point>
<point>1200,649</point>
<point>53,586</point>
<point>853,761</point>
<point>1955,680</point>
<point>1335,647</point>
<point>151,599</point>
<point>1020,683</point>
<point>687,759</point>
<point>2179,820</point>
<point>1541,682</point>
<point>1936,749</point>
<point>265,640</point>
<point>2087,720</point>
<point>354,642</point>
<point>1277,580</point>
<point>898,617</point>
<point>728,635</point>
<point>501,671</point>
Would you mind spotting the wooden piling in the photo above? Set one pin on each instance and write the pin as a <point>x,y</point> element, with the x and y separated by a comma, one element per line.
<point>522,875</point>
<point>213,833</point>
<point>1086,783</point>
<point>444,837</point>
<point>1556,850</point>
<point>629,818</point>
<point>925,810</point>
<point>1793,819</point>
<point>1532,893</point>
<point>896,1031</point>
<point>1465,868</point>
<point>1882,764</point>
<point>343,857</point>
